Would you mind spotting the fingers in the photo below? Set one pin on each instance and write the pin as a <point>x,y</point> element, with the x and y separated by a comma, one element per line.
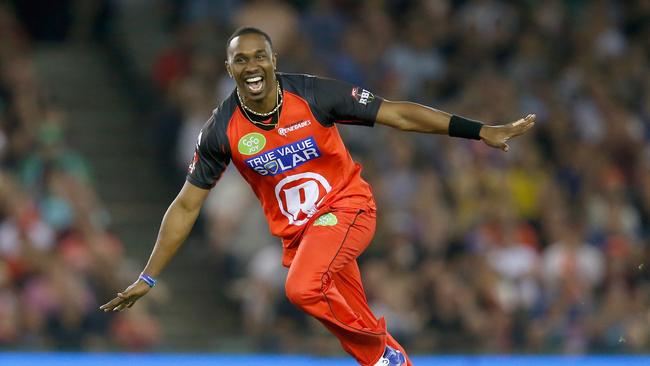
<point>525,121</point>
<point>118,303</point>
<point>522,125</point>
<point>126,305</point>
<point>121,302</point>
<point>529,122</point>
<point>113,304</point>
<point>126,298</point>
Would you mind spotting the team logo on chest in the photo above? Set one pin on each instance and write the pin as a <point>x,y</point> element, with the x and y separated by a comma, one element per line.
<point>300,194</point>
<point>284,158</point>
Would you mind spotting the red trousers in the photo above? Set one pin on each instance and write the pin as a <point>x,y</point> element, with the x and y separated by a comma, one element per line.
<point>324,281</point>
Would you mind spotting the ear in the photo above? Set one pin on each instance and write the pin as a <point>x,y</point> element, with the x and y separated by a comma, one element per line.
<point>228,68</point>
<point>275,61</point>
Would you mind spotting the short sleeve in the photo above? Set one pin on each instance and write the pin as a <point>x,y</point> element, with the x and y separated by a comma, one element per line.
<point>211,156</point>
<point>345,103</point>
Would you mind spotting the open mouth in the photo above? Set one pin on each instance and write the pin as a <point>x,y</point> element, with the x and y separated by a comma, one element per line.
<point>254,84</point>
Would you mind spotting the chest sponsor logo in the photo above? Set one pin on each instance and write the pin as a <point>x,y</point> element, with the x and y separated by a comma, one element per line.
<point>251,143</point>
<point>362,96</point>
<point>300,194</point>
<point>283,131</point>
<point>284,158</point>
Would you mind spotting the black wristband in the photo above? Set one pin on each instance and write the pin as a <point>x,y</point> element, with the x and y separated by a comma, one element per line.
<point>463,127</point>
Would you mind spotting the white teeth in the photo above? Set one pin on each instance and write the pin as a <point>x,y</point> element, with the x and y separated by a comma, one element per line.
<point>254,80</point>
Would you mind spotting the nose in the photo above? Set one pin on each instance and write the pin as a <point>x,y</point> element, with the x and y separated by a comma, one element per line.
<point>252,64</point>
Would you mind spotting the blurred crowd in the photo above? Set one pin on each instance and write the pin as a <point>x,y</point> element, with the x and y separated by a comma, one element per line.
<point>545,248</point>
<point>58,257</point>
<point>541,249</point>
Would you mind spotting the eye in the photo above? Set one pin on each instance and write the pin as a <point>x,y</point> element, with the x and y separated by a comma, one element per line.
<point>261,56</point>
<point>240,60</point>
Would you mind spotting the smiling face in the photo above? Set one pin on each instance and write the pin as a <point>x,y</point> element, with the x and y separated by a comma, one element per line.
<point>251,63</point>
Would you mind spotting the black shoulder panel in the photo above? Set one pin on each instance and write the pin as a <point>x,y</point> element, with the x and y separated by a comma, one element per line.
<point>303,85</point>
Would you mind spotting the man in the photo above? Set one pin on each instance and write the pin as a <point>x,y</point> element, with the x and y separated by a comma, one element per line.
<point>279,131</point>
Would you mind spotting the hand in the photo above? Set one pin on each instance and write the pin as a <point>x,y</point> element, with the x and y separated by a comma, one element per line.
<point>127,298</point>
<point>498,136</point>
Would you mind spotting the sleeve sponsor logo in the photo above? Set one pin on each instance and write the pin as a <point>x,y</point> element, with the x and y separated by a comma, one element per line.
<point>193,163</point>
<point>362,96</point>
<point>284,158</point>
<point>294,126</point>
<point>251,143</point>
<point>195,158</point>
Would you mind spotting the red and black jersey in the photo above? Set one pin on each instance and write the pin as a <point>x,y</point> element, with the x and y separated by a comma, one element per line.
<point>298,167</point>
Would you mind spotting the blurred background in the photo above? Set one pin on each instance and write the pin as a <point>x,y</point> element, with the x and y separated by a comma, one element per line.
<point>544,249</point>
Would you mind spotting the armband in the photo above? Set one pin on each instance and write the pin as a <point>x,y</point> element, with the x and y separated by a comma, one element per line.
<point>463,127</point>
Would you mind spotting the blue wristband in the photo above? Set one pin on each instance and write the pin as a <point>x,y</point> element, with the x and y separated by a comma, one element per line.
<point>148,279</point>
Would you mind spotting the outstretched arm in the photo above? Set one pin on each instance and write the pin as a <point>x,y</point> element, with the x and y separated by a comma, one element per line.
<point>175,227</point>
<point>409,116</point>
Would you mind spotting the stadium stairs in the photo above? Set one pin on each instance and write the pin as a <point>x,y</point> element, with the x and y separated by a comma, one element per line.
<point>104,125</point>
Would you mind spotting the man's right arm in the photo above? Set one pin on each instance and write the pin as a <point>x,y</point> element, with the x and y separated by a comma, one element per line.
<point>176,225</point>
<point>211,156</point>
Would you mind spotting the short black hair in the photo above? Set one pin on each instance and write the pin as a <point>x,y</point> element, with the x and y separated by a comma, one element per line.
<point>249,30</point>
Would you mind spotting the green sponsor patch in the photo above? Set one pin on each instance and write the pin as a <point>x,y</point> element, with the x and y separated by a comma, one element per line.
<point>251,143</point>
<point>328,219</point>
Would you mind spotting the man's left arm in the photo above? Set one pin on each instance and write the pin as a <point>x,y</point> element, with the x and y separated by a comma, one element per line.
<point>409,116</point>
